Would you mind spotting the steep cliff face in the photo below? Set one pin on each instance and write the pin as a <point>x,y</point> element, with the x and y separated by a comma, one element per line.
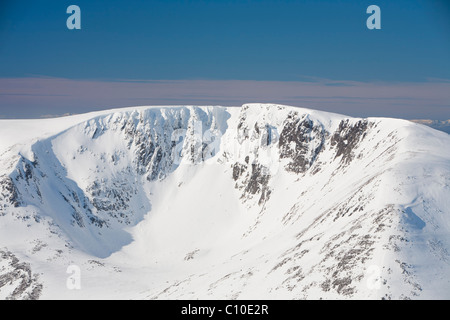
<point>261,201</point>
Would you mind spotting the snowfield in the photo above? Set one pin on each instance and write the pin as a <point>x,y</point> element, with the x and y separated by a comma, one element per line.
<point>261,201</point>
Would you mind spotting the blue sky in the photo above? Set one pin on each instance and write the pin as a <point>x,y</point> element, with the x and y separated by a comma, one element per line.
<point>283,41</point>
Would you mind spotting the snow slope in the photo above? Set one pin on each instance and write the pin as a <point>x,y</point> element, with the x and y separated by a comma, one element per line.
<point>254,202</point>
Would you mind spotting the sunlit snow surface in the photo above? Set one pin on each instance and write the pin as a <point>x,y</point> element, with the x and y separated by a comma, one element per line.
<point>254,202</point>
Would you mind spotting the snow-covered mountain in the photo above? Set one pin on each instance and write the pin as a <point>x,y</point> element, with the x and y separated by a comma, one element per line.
<point>254,202</point>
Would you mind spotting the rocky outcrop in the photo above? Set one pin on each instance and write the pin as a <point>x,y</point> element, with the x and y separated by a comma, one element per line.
<point>17,281</point>
<point>347,137</point>
<point>301,141</point>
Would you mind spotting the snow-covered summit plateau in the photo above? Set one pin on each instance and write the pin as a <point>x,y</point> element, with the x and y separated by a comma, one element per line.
<point>255,202</point>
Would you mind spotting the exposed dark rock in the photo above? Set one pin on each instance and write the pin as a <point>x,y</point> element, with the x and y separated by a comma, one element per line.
<point>347,137</point>
<point>253,180</point>
<point>257,183</point>
<point>9,192</point>
<point>111,199</point>
<point>238,170</point>
<point>300,141</point>
<point>19,275</point>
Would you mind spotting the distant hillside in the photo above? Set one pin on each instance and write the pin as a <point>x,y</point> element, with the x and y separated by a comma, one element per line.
<point>435,124</point>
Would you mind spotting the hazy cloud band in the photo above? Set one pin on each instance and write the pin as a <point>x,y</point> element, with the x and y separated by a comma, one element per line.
<point>40,96</point>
